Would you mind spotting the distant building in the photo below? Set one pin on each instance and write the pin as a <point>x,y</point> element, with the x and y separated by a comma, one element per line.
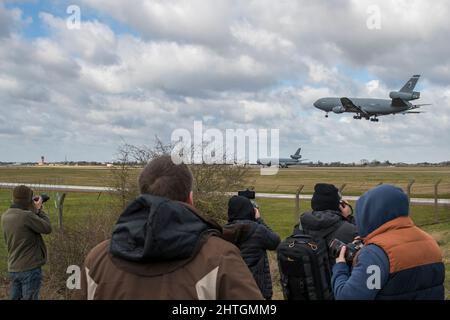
<point>42,162</point>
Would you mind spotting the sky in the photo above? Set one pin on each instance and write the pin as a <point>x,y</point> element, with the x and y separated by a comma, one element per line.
<point>138,69</point>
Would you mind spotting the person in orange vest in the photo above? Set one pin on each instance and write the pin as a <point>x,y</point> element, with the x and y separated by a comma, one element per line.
<point>398,259</point>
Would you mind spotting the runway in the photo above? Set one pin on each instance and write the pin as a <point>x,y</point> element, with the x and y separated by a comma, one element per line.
<point>91,189</point>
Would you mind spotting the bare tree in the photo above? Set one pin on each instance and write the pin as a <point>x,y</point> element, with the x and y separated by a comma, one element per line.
<point>123,175</point>
<point>212,182</point>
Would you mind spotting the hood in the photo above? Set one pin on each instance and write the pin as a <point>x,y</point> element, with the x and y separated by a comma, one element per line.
<point>378,206</point>
<point>157,229</point>
<point>240,208</point>
<point>319,220</point>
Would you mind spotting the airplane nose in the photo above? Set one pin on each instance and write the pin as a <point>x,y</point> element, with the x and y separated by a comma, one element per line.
<point>316,104</point>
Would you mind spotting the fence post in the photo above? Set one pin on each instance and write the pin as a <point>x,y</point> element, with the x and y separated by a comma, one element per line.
<point>297,201</point>
<point>61,210</point>
<point>436,204</point>
<point>408,190</point>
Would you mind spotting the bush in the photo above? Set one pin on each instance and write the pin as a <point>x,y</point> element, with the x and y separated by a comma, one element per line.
<point>69,247</point>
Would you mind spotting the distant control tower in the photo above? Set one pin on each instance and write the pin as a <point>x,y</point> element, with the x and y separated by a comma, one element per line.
<point>42,161</point>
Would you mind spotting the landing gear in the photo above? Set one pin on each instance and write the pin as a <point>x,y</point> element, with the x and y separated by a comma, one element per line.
<point>374,119</point>
<point>326,116</point>
<point>357,117</point>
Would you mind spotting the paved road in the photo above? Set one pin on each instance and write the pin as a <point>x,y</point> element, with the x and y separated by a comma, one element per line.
<point>90,189</point>
<point>62,188</point>
<point>349,198</point>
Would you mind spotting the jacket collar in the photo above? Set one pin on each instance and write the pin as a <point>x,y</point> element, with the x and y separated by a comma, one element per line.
<point>18,206</point>
<point>398,223</point>
<point>211,223</point>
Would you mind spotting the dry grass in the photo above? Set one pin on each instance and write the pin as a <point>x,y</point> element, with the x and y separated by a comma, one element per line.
<point>442,235</point>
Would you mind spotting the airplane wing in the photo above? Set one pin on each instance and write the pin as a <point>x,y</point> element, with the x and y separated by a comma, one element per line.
<point>350,106</point>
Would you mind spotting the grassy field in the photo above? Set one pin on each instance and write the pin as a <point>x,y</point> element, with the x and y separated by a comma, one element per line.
<point>358,180</point>
<point>279,214</point>
<point>83,176</point>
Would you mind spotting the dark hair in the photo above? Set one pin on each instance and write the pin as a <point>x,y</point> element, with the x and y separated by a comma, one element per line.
<point>161,177</point>
<point>23,197</point>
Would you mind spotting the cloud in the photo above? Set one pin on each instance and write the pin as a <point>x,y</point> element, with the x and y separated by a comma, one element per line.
<point>10,20</point>
<point>252,64</point>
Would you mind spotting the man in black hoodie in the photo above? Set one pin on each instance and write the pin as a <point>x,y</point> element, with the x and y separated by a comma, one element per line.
<point>253,245</point>
<point>331,217</point>
<point>163,248</point>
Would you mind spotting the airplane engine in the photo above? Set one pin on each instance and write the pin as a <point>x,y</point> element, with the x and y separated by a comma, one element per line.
<point>408,96</point>
<point>338,109</point>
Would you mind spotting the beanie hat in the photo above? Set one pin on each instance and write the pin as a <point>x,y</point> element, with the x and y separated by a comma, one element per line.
<point>23,196</point>
<point>325,197</point>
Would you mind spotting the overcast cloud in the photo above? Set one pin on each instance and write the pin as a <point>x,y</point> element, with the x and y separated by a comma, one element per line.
<point>137,69</point>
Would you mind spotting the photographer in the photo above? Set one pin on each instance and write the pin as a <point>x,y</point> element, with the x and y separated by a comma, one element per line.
<point>23,223</point>
<point>331,217</point>
<point>163,248</point>
<point>255,242</point>
<point>398,260</point>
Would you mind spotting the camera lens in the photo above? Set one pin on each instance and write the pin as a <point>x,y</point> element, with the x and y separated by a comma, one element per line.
<point>335,247</point>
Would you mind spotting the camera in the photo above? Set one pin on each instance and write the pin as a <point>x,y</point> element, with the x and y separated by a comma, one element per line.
<point>249,194</point>
<point>45,197</point>
<point>352,248</point>
<point>346,204</point>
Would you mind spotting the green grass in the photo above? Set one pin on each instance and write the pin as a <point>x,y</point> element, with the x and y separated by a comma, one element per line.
<point>278,213</point>
<point>83,176</point>
<point>358,179</point>
<point>441,232</point>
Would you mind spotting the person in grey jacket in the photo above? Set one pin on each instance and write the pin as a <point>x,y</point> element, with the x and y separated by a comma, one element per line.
<point>256,238</point>
<point>23,225</point>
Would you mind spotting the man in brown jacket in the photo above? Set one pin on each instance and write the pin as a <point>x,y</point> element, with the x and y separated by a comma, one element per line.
<point>162,247</point>
<point>23,225</point>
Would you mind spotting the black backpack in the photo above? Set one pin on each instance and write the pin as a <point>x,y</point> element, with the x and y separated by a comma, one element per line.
<point>304,268</point>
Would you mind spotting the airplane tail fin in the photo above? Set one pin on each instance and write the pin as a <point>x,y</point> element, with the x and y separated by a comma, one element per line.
<point>297,155</point>
<point>411,84</point>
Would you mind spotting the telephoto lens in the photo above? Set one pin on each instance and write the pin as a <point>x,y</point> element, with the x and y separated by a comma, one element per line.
<point>350,252</point>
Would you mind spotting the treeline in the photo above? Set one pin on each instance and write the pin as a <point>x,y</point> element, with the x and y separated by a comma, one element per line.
<point>373,163</point>
<point>376,163</point>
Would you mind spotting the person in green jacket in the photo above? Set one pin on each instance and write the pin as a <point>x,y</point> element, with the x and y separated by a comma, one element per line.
<point>23,225</point>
